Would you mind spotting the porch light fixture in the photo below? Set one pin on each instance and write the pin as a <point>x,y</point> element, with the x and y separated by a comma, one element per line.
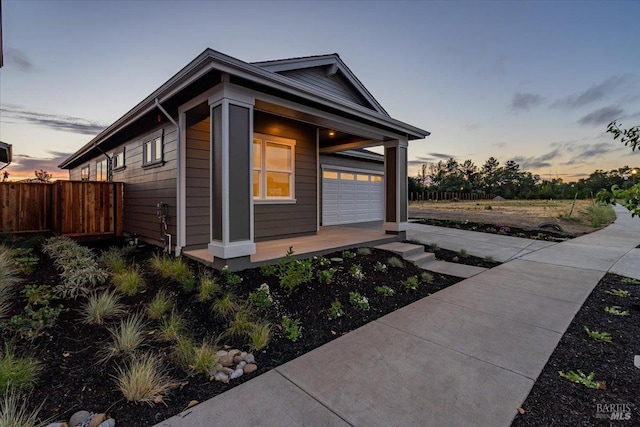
<point>331,133</point>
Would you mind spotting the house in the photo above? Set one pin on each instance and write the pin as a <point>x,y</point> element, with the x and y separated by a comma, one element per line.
<point>228,153</point>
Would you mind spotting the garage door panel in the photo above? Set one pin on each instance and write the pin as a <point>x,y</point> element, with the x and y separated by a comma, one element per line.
<point>349,197</point>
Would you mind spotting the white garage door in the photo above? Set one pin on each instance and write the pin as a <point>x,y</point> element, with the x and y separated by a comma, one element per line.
<point>349,197</point>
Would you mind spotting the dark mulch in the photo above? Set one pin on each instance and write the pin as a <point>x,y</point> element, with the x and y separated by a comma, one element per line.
<point>555,401</point>
<point>528,233</point>
<point>457,257</point>
<point>72,380</point>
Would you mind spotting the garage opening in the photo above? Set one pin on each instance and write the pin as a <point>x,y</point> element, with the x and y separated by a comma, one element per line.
<point>351,197</point>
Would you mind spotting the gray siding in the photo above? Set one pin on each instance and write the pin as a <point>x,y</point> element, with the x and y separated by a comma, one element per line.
<point>328,160</point>
<point>336,84</point>
<point>144,188</point>
<point>198,209</point>
<point>275,221</point>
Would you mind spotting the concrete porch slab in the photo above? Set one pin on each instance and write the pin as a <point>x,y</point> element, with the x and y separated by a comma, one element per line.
<point>258,402</point>
<point>506,343</point>
<point>403,380</point>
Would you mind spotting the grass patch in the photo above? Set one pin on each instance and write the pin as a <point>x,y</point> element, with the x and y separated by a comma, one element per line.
<point>209,288</point>
<point>176,269</point>
<point>226,306</point>
<point>144,380</point>
<point>16,373</point>
<point>126,338</point>
<point>101,307</point>
<point>173,327</point>
<point>396,262</point>
<point>259,335</point>
<point>14,412</point>
<point>159,306</point>
<point>129,281</point>
<point>114,260</point>
<point>598,336</point>
<point>598,215</point>
<point>8,281</point>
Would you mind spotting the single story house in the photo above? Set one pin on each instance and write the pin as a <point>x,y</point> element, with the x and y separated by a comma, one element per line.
<point>228,153</point>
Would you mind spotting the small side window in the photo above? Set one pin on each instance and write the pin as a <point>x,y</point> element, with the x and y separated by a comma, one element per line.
<point>118,160</point>
<point>153,150</point>
<point>84,173</point>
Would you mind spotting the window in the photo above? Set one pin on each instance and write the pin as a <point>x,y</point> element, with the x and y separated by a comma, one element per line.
<point>118,160</point>
<point>273,168</point>
<point>152,150</point>
<point>84,173</point>
<point>101,170</point>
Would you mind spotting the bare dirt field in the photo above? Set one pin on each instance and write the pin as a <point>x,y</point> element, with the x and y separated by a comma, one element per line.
<point>513,213</point>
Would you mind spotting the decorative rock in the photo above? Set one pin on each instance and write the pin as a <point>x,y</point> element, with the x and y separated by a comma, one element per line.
<point>227,371</point>
<point>221,353</point>
<point>249,368</point>
<point>79,418</point>
<point>109,423</point>
<point>636,361</point>
<point>243,354</point>
<point>237,358</point>
<point>336,259</point>
<point>226,360</point>
<point>234,352</point>
<point>250,358</point>
<point>217,367</point>
<point>236,374</point>
<point>97,419</point>
<point>222,377</point>
<point>241,364</point>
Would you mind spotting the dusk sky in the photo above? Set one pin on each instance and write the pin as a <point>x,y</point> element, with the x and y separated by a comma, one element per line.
<point>535,82</point>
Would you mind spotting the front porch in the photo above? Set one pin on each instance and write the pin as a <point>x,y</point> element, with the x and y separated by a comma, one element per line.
<point>327,240</point>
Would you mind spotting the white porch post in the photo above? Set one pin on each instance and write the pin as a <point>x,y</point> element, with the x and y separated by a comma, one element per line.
<point>231,165</point>
<point>395,186</point>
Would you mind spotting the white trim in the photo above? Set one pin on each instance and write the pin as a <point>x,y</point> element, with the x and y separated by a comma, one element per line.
<point>275,201</point>
<point>395,226</point>
<point>318,178</point>
<point>264,140</point>
<point>232,249</point>
<point>354,170</point>
<point>181,183</point>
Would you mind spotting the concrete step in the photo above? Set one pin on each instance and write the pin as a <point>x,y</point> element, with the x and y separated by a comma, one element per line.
<point>403,249</point>
<point>421,260</point>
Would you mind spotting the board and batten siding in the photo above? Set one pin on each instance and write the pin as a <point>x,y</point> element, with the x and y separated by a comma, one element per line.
<point>278,221</point>
<point>335,84</point>
<point>144,187</point>
<point>198,211</point>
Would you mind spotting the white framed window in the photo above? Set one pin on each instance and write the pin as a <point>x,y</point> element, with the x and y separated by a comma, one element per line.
<point>101,170</point>
<point>84,173</point>
<point>117,160</point>
<point>153,150</point>
<point>273,168</point>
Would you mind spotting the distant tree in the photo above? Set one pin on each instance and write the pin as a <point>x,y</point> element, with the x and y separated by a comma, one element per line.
<point>629,136</point>
<point>43,176</point>
<point>490,175</point>
<point>5,176</point>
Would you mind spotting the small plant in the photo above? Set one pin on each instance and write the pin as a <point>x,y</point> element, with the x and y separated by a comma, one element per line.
<point>462,253</point>
<point>259,335</point>
<point>336,310</point>
<point>619,293</point>
<point>230,278</point>
<point>356,272</point>
<point>79,276</point>
<point>615,311</point>
<point>24,260</point>
<point>268,270</point>
<point>262,297</point>
<point>411,283</point>
<point>8,281</point>
<point>159,306</point>
<point>385,290</point>
<point>39,313</point>
<point>380,267</point>
<point>144,380</point>
<point>488,208</point>
<point>322,261</point>
<point>172,327</point>
<point>364,251</point>
<point>348,255</point>
<point>14,412</point>
<point>598,336</point>
<point>113,259</point>
<point>426,277</point>
<point>359,301</point>
<point>226,306</point>
<point>630,281</point>
<point>16,373</point>
<point>489,259</point>
<point>291,328</point>
<point>129,281</point>
<point>395,262</point>
<point>326,276</point>
<point>204,359</point>
<point>209,287</point>
<point>176,269</point>
<point>432,247</point>
<point>294,272</point>
<point>242,324</point>
<point>586,380</point>
<point>126,338</point>
<point>101,307</point>
<point>161,264</point>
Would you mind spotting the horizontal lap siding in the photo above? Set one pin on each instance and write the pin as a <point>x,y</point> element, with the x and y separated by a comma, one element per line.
<point>336,84</point>
<point>286,220</point>
<point>198,181</point>
<point>144,188</point>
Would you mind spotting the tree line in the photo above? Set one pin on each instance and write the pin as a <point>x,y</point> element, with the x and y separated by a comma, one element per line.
<point>512,182</point>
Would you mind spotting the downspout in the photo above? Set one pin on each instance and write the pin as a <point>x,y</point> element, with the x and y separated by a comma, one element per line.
<point>179,178</point>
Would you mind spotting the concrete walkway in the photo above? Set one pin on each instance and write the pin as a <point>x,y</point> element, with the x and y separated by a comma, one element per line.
<point>465,356</point>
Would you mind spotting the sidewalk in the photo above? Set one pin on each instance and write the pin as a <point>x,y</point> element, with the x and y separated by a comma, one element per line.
<point>465,356</point>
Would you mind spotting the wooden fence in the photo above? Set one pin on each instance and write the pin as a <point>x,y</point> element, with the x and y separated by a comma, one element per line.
<point>447,195</point>
<point>68,208</point>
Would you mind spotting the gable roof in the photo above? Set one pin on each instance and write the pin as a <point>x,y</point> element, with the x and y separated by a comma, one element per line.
<point>214,61</point>
<point>332,68</point>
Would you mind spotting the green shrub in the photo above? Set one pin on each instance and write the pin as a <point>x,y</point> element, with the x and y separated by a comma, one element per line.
<point>231,279</point>
<point>172,327</point>
<point>336,310</point>
<point>209,287</point>
<point>226,306</point>
<point>359,301</point>
<point>268,270</point>
<point>14,412</point>
<point>426,277</point>
<point>615,311</point>
<point>364,251</point>
<point>261,298</point>
<point>259,335</point>
<point>126,338</point>
<point>24,260</point>
<point>598,214</point>
<point>326,276</point>
<point>293,272</point>
<point>101,307</point>
<point>462,253</point>
<point>384,290</point>
<point>176,269</point>
<point>242,323</point>
<point>356,272</point>
<point>159,306</point>
<point>204,359</point>
<point>395,262</point>
<point>579,377</point>
<point>38,315</point>
<point>129,281</point>
<point>114,259</point>
<point>16,373</point>
<point>291,328</point>
<point>144,380</point>
<point>411,283</point>
<point>8,281</point>
<point>348,254</point>
<point>598,336</point>
<point>380,267</point>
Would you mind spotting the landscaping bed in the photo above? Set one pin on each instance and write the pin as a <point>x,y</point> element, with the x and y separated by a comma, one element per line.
<point>611,395</point>
<point>77,361</point>
<point>527,233</point>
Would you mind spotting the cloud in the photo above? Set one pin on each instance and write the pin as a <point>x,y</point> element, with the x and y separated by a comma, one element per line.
<point>499,144</point>
<point>588,153</point>
<point>23,165</point>
<point>525,101</point>
<point>594,93</point>
<point>602,116</point>
<point>472,126</point>
<point>18,59</point>
<point>537,162</point>
<point>53,121</point>
<point>442,156</point>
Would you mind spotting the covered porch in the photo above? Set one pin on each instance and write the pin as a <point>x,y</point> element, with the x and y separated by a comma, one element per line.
<point>327,240</point>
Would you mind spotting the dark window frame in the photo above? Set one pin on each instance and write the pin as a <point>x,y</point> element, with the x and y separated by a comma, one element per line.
<point>152,141</point>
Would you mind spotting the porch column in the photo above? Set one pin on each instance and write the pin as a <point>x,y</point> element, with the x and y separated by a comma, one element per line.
<point>231,174</point>
<point>395,186</point>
